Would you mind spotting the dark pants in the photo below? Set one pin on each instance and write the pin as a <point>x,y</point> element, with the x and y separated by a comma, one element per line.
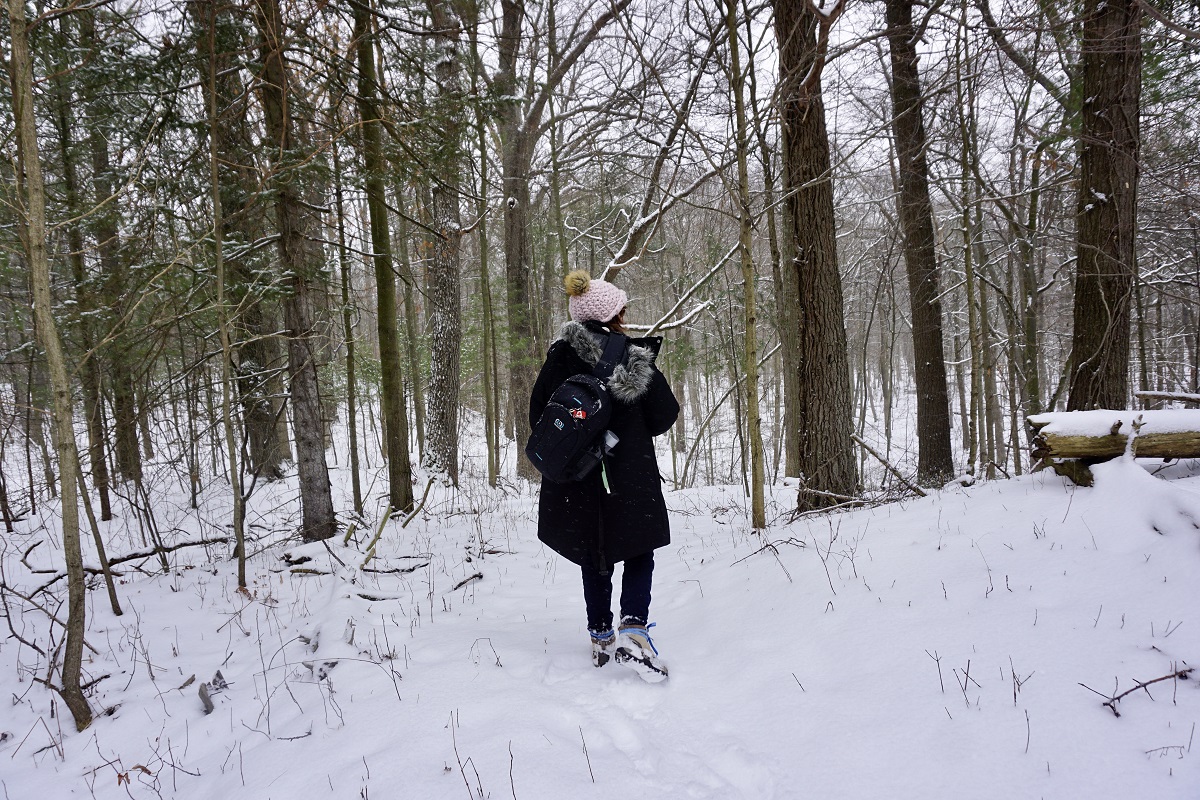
<point>635,593</point>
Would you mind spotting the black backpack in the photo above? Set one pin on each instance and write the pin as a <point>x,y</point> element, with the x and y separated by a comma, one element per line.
<point>569,439</point>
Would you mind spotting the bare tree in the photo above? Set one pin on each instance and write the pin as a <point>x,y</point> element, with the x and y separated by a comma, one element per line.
<point>520,129</point>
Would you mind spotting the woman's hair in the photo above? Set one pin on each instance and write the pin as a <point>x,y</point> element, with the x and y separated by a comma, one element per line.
<point>617,323</point>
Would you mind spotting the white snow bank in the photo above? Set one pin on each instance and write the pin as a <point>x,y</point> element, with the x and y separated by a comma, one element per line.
<point>929,649</point>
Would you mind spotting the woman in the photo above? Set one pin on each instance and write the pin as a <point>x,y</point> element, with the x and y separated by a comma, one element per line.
<point>616,514</point>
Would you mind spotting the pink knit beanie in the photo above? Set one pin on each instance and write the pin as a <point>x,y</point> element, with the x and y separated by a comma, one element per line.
<point>592,298</point>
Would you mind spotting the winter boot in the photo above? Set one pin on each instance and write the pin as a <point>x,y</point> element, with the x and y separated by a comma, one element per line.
<point>635,649</point>
<point>603,643</point>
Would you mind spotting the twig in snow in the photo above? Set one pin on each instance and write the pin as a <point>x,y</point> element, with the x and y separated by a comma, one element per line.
<point>1111,702</point>
<point>396,570</point>
<point>965,680</point>
<point>419,506</point>
<point>478,576</point>
<point>770,546</point>
<point>585,754</point>
<point>29,599</point>
<point>383,519</point>
<point>825,560</point>
<point>938,660</point>
<point>1018,682</point>
<point>461,764</point>
<point>139,555</point>
<point>511,784</point>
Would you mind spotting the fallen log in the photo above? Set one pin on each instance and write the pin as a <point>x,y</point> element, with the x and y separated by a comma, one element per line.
<point>1101,435</point>
<point>1069,442</point>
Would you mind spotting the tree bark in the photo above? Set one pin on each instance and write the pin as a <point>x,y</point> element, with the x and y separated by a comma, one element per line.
<point>395,417</point>
<point>445,314</point>
<point>935,462</point>
<point>491,377</point>
<point>523,351</point>
<point>258,358</point>
<point>299,259</point>
<point>826,459</point>
<point>1109,144</point>
<point>33,235</point>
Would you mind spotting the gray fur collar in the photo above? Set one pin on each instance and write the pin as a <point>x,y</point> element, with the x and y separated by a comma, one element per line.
<point>631,379</point>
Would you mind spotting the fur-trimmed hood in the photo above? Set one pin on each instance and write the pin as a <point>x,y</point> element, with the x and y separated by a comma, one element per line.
<point>631,378</point>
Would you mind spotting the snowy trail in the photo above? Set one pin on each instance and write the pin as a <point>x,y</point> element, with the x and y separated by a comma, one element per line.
<point>803,670</point>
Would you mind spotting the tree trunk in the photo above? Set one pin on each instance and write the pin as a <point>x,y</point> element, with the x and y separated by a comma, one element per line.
<point>257,357</point>
<point>524,353</point>
<point>347,329</point>
<point>445,314</point>
<point>412,327</point>
<point>758,516</point>
<point>92,383</point>
<point>965,86</point>
<point>299,259</point>
<point>935,462</point>
<point>1095,436</point>
<point>118,352</point>
<point>1109,144</point>
<point>826,449</point>
<point>33,235</point>
<point>1030,298</point>
<point>209,38</point>
<point>491,415</point>
<point>395,416</point>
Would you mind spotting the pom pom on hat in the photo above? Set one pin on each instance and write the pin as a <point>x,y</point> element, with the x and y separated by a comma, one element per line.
<point>593,299</point>
<point>577,282</point>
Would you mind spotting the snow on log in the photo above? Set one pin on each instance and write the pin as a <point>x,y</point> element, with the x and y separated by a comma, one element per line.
<point>1100,435</point>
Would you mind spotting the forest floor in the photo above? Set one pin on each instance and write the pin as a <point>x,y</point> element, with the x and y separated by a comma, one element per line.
<point>960,645</point>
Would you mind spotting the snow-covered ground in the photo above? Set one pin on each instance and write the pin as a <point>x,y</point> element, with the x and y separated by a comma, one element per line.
<point>962,645</point>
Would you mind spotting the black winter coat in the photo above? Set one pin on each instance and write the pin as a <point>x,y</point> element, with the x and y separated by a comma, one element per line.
<point>580,520</point>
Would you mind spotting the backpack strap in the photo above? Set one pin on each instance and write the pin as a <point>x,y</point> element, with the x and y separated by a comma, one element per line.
<point>614,351</point>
